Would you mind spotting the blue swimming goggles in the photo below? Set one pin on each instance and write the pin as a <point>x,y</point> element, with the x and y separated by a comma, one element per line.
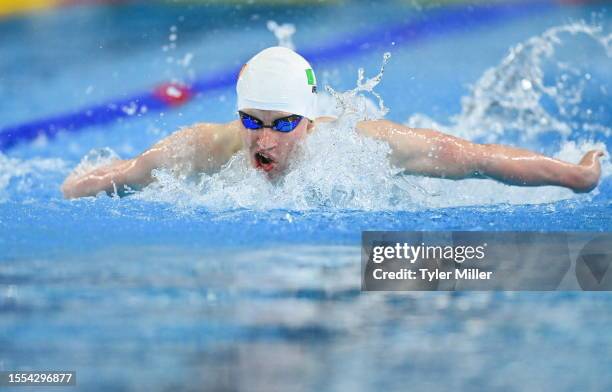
<point>285,124</point>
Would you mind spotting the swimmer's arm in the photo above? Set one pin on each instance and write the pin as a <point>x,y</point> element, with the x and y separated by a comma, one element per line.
<point>432,153</point>
<point>201,148</point>
<point>111,178</point>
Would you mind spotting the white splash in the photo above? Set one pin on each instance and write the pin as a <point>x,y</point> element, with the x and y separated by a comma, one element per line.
<point>509,98</point>
<point>96,158</point>
<point>353,103</point>
<point>179,67</point>
<point>283,33</point>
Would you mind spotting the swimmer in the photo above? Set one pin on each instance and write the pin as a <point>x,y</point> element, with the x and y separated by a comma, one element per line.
<point>276,112</point>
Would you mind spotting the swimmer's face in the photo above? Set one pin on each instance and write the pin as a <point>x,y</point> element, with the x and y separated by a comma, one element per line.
<point>271,150</point>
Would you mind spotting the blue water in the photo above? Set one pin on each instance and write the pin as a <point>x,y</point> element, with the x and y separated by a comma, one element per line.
<point>185,294</point>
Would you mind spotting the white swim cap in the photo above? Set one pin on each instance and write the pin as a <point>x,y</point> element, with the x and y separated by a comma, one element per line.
<point>277,78</point>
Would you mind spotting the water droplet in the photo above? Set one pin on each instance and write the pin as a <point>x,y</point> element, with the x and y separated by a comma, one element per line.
<point>526,84</point>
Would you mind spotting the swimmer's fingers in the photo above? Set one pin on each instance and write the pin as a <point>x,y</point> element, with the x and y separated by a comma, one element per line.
<point>591,157</point>
<point>590,171</point>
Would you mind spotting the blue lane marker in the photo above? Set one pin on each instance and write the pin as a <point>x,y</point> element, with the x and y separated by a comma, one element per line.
<point>76,121</point>
<point>438,22</point>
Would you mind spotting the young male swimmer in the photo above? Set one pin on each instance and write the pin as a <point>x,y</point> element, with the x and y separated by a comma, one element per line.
<point>276,107</point>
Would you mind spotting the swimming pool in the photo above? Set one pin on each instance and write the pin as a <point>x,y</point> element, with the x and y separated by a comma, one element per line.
<point>208,285</point>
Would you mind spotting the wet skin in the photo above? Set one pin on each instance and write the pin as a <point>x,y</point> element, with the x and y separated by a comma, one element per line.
<point>206,147</point>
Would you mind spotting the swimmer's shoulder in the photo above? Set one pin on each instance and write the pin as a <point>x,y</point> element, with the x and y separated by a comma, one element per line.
<point>210,145</point>
<point>208,135</point>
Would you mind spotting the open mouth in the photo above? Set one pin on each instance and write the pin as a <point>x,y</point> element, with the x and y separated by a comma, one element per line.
<point>264,161</point>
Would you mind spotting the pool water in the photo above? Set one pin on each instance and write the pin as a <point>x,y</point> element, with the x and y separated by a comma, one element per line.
<point>227,282</point>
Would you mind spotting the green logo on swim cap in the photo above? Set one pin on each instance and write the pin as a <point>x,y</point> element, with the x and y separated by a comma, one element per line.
<point>310,77</point>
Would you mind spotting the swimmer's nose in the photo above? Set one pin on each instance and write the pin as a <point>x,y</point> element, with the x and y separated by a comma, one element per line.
<point>268,138</point>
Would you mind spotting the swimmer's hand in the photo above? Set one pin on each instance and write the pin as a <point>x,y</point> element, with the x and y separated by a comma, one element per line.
<point>589,172</point>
